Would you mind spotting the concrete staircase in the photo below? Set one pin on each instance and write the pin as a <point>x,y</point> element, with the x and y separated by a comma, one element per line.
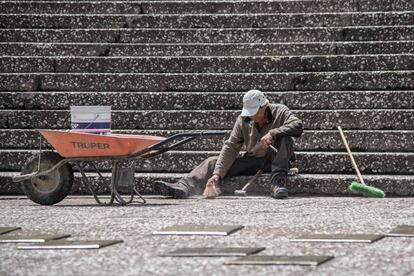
<point>170,66</point>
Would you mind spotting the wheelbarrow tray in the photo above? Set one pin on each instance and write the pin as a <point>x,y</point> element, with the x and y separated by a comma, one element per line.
<point>71,144</point>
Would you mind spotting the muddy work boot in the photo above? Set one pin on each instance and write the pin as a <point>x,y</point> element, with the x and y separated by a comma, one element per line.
<point>176,190</point>
<point>279,190</point>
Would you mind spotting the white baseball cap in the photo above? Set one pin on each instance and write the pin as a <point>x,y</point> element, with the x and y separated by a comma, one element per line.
<point>252,101</point>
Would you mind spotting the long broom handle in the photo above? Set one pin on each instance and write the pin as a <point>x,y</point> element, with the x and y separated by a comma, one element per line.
<point>253,180</point>
<point>350,155</point>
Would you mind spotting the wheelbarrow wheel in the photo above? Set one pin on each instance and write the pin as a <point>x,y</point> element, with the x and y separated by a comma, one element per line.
<point>51,188</point>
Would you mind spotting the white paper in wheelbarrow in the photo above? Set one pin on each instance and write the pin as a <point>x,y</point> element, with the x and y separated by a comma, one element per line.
<point>91,119</point>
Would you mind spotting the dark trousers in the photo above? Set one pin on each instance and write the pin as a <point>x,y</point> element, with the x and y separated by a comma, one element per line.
<point>276,163</point>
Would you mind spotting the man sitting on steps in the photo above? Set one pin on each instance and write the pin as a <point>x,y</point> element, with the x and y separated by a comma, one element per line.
<point>259,125</point>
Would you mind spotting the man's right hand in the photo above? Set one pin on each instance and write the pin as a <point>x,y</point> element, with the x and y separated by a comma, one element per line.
<point>212,189</point>
<point>266,141</point>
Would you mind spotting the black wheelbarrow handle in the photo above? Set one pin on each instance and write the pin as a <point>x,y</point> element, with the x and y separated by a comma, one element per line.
<point>193,134</point>
<point>160,147</point>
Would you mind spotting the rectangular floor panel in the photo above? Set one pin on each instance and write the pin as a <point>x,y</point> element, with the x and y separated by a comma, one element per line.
<point>93,244</point>
<point>213,230</point>
<point>4,230</point>
<point>355,238</point>
<point>213,252</point>
<point>31,238</point>
<point>402,231</point>
<point>281,260</point>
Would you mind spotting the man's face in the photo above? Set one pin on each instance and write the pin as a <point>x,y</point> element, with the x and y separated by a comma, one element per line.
<point>259,116</point>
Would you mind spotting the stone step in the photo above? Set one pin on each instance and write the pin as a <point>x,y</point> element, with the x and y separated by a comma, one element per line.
<point>309,184</point>
<point>191,7</point>
<point>309,100</point>
<point>278,20</point>
<point>211,82</point>
<point>60,35</point>
<point>264,35</point>
<point>268,35</point>
<point>206,64</point>
<point>307,162</point>
<point>187,49</point>
<point>65,7</point>
<point>365,119</point>
<point>319,140</point>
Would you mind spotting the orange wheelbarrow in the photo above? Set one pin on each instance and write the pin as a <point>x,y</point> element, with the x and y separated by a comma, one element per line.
<point>48,176</point>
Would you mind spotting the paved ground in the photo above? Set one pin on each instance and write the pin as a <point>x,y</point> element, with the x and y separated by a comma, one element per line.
<point>267,222</point>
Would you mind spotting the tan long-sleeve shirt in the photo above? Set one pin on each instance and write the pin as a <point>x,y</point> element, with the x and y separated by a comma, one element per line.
<point>281,122</point>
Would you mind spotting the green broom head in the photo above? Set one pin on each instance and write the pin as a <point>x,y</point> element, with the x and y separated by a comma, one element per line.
<point>366,190</point>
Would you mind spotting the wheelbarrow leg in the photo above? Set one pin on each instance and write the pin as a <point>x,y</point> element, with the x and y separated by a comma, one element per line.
<point>124,177</point>
<point>140,196</point>
<point>114,184</point>
<point>85,180</point>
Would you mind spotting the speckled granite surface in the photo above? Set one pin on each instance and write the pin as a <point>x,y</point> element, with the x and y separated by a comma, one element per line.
<point>309,100</point>
<point>207,64</point>
<point>221,7</point>
<point>71,7</point>
<point>216,49</point>
<point>357,33</point>
<point>308,162</point>
<point>303,81</point>
<point>302,184</point>
<point>205,119</point>
<point>273,6</point>
<point>268,223</point>
<point>323,140</point>
<point>67,21</point>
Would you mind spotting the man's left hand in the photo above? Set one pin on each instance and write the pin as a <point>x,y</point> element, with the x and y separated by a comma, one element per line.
<point>212,189</point>
<point>266,141</point>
